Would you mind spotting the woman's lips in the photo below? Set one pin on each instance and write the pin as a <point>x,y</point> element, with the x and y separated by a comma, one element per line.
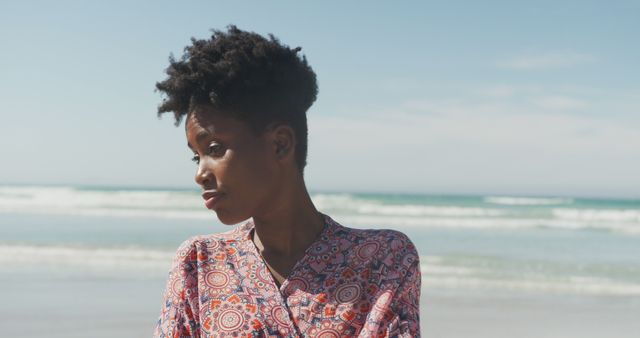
<point>211,198</point>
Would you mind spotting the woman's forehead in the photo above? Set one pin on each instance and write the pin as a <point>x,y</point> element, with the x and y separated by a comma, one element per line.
<point>203,125</point>
<point>213,121</point>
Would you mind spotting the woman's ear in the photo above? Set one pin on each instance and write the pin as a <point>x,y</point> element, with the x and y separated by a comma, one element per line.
<point>283,140</point>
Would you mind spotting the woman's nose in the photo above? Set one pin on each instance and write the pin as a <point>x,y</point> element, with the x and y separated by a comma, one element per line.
<point>204,175</point>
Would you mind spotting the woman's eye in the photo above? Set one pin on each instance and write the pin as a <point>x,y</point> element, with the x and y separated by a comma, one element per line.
<point>216,149</point>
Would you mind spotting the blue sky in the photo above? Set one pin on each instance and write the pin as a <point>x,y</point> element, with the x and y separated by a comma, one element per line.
<point>430,97</point>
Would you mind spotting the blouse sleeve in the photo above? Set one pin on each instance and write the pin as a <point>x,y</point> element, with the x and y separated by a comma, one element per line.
<point>406,305</point>
<point>179,317</point>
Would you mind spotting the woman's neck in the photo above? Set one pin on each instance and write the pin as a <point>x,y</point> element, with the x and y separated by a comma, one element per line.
<point>290,226</point>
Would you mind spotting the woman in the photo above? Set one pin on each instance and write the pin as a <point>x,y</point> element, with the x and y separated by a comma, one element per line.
<point>287,270</point>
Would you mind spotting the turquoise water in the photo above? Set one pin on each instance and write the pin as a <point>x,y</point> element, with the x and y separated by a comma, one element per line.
<point>550,245</point>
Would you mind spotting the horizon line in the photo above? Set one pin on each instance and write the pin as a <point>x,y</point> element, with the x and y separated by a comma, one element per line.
<point>335,191</point>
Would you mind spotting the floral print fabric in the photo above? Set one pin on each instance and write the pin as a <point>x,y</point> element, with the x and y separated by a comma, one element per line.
<point>350,283</point>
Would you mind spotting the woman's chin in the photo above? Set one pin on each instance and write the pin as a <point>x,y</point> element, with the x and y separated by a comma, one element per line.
<point>227,218</point>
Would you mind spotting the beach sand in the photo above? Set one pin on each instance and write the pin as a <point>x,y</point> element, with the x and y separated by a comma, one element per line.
<point>458,314</point>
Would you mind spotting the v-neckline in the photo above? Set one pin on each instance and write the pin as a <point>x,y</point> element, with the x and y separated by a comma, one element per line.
<point>296,266</point>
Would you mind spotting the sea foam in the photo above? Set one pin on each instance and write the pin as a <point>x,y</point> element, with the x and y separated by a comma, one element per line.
<point>437,271</point>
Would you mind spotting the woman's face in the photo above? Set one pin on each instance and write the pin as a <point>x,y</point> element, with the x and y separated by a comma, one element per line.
<point>234,164</point>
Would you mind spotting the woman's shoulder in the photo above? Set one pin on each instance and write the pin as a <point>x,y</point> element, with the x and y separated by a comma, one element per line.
<point>393,237</point>
<point>387,244</point>
<point>389,235</point>
<point>199,246</point>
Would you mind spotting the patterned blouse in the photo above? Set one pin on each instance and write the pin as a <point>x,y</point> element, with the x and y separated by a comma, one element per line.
<point>350,283</point>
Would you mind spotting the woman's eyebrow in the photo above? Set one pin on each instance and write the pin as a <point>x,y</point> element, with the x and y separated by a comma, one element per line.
<point>203,134</point>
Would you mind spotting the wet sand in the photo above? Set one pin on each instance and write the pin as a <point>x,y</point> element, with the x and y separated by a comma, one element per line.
<point>489,315</point>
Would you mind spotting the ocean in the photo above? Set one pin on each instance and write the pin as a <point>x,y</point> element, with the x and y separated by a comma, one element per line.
<point>86,252</point>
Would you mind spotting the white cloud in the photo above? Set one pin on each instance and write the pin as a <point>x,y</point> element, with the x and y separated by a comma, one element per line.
<point>560,103</point>
<point>498,91</point>
<point>473,144</point>
<point>548,60</point>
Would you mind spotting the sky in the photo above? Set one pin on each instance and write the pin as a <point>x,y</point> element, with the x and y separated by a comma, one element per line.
<point>431,97</point>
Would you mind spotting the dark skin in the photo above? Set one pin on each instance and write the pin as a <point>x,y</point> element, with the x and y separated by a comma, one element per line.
<point>258,178</point>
